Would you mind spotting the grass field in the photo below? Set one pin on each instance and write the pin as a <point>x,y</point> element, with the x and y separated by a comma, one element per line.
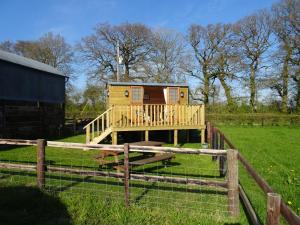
<point>77,200</point>
<point>274,153</point>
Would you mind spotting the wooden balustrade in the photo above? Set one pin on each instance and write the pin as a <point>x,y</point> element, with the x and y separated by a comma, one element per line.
<point>98,125</point>
<point>155,115</point>
<point>148,116</point>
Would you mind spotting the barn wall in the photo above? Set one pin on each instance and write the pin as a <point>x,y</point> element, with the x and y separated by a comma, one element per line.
<point>31,102</point>
<point>25,84</point>
<point>20,119</point>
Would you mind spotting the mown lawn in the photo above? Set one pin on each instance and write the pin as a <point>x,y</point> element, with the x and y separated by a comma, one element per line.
<point>275,154</point>
<point>273,151</point>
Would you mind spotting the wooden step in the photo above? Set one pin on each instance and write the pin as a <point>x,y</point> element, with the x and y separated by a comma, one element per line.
<point>103,135</point>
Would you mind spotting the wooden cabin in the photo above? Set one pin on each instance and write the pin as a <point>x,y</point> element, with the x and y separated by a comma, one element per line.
<point>146,107</point>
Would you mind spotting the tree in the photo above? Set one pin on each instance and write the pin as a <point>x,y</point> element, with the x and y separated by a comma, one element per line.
<point>286,16</point>
<point>7,46</point>
<point>99,50</point>
<point>50,49</point>
<point>93,95</point>
<point>226,63</point>
<point>167,58</point>
<point>205,42</point>
<point>253,34</point>
<point>283,30</point>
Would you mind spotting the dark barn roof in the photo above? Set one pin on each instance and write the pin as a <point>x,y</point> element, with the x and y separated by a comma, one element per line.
<point>146,84</point>
<point>30,63</point>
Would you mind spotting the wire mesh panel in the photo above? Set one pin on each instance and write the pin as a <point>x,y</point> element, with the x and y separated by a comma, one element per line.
<point>186,183</point>
<point>179,182</point>
<point>75,172</point>
<point>17,165</point>
<point>166,187</point>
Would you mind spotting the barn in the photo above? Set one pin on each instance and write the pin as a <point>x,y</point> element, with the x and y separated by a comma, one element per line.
<point>32,98</point>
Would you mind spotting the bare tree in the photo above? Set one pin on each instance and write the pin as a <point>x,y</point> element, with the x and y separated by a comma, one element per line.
<point>286,25</point>
<point>225,64</point>
<point>50,49</point>
<point>205,42</point>
<point>167,58</point>
<point>253,34</point>
<point>284,15</point>
<point>99,50</point>
<point>7,46</point>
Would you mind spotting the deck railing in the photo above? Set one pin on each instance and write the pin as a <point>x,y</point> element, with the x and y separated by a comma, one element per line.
<point>157,115</point>
<point>147,115</point>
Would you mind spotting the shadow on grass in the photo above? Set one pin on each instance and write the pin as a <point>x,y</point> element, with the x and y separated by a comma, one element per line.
<point>29,206</point>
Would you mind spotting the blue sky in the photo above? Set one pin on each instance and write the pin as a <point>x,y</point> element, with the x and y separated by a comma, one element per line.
<point>29,19</point>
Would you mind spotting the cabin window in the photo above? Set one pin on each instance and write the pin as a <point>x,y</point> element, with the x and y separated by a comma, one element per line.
<point>173,95</point>
<point>137,95</point>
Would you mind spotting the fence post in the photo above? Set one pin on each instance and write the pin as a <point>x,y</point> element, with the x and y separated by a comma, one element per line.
<point>126,173</point>
<point>215,143</point>
<point>222,159</point>
<point>208,132</point>
<point>40,163</point>
<point>273,208</point>
<point>232,179</point>
<point>211,136</point>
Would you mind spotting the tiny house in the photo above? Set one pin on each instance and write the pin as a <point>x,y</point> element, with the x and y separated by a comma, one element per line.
<point>146,107</point>
<point>123,93</point>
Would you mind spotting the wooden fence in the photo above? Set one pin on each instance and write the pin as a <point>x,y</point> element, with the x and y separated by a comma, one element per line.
<point>254,119</point>
<point>275,205</point>
<point>230,185</point>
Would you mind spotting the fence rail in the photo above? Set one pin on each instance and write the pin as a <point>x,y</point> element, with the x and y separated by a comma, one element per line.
<point>260,119</point>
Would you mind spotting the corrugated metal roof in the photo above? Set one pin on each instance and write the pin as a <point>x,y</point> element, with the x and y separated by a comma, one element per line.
<point>146,84</point>
<point>20,60</point>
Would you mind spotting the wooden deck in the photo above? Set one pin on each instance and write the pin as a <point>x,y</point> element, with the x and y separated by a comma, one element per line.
<point>147,117</point>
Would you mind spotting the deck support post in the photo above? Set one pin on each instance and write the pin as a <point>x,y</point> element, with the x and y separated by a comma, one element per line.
<point>187,136</point>
<point>114,137</point>
<point>146,135</point>
<point>202,136</point>
<point>175,137</point>
<point>87,134</point>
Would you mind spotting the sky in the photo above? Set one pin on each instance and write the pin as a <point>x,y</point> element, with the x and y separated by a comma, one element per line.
<point>74,19</point>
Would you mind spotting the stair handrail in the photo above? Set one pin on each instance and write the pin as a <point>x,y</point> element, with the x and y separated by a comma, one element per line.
<point>98,117</point>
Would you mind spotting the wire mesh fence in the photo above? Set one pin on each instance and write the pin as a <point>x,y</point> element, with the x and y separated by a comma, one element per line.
<point>182,182</point>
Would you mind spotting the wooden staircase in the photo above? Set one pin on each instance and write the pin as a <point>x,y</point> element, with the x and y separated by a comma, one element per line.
<point>99,128</point>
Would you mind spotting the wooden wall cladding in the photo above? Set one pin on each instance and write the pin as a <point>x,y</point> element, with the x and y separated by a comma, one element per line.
<point>30,120</point>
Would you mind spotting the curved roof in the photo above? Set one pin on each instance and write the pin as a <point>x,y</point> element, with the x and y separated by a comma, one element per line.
<point>30,63</point>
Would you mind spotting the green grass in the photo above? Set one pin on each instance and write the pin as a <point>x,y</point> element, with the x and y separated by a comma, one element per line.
<point>273,151</point>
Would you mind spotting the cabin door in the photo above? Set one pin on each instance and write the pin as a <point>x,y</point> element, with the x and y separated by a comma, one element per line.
<point>172,94</point>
